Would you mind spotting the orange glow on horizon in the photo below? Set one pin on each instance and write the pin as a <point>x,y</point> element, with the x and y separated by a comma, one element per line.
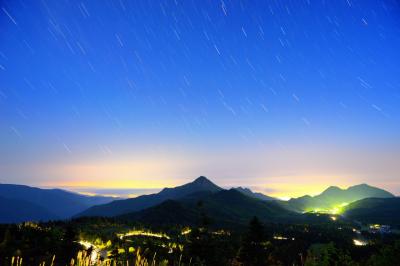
<point>143,173</point>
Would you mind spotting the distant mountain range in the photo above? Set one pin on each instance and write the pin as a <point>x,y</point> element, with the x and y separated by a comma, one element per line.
<point>228,207</point>
<point>20,203</point>
<point>335,197</point>
<point>191,203</point>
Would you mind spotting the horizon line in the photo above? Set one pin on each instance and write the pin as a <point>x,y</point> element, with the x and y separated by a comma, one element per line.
<point>92,190</point>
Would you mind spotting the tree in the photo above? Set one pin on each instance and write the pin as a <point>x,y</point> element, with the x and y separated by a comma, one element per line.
<point>70,234</point>
<point>254,249</point>
<point>388,255</point>
<point>327,255</point>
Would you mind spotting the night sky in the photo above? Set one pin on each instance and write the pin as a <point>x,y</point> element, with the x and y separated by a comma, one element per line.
<point>285,97</point>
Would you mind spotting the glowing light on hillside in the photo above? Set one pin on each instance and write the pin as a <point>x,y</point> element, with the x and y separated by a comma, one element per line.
<point>358,242</point>
<point>143,233</point>
<point>339,208</point>
<point>375,226</point>
<point>95,250</point>
<point>221,232</point>
<point>284,238</point>
<point>186,231</point>
<point>335,210</point>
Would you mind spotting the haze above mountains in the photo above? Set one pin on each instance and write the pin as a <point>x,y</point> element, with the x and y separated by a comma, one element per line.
<point>185,204</point>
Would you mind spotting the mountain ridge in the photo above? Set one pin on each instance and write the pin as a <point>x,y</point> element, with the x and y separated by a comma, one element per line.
<point>63,204</point>
<point>120,207</point>
<point>256,195</point>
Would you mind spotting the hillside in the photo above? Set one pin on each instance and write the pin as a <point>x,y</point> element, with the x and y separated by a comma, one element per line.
<point>16,211</point>
<point>169,212</point>
<point>375,210</point>
<point>222,208</point>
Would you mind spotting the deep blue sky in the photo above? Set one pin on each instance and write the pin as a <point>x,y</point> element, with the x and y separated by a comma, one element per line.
<point>283,96</point>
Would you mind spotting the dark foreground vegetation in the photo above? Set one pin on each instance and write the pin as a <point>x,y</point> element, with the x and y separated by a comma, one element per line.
<point>108,241</point>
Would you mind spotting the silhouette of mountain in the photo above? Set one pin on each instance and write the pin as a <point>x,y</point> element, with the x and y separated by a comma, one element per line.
<point>199,184</point>
<point>119,207</point>
<point>222,208</point>
<point>334,196</point>
<point>60,203</point>
<point>252,194</point>
<point>375,210</point>
<point>16,211</point>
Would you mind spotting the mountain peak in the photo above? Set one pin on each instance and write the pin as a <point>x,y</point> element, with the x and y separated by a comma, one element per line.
<point>203,183</point>
<point>199,184</point>
<point>202,179</point>
<point>332,189</point>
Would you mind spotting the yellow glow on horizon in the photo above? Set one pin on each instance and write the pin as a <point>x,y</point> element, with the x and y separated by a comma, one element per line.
<point>92,194</point>
<point>285,191</point>
<point>134,184</point>
<point>281,172</point>
<point>143,173</point>
<point>293,186</point>
<point>152,172</point>
<point>286,198</point>
<point>130,176</point>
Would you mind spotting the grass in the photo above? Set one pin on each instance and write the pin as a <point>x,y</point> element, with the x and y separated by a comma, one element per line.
<point>85,259</point>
